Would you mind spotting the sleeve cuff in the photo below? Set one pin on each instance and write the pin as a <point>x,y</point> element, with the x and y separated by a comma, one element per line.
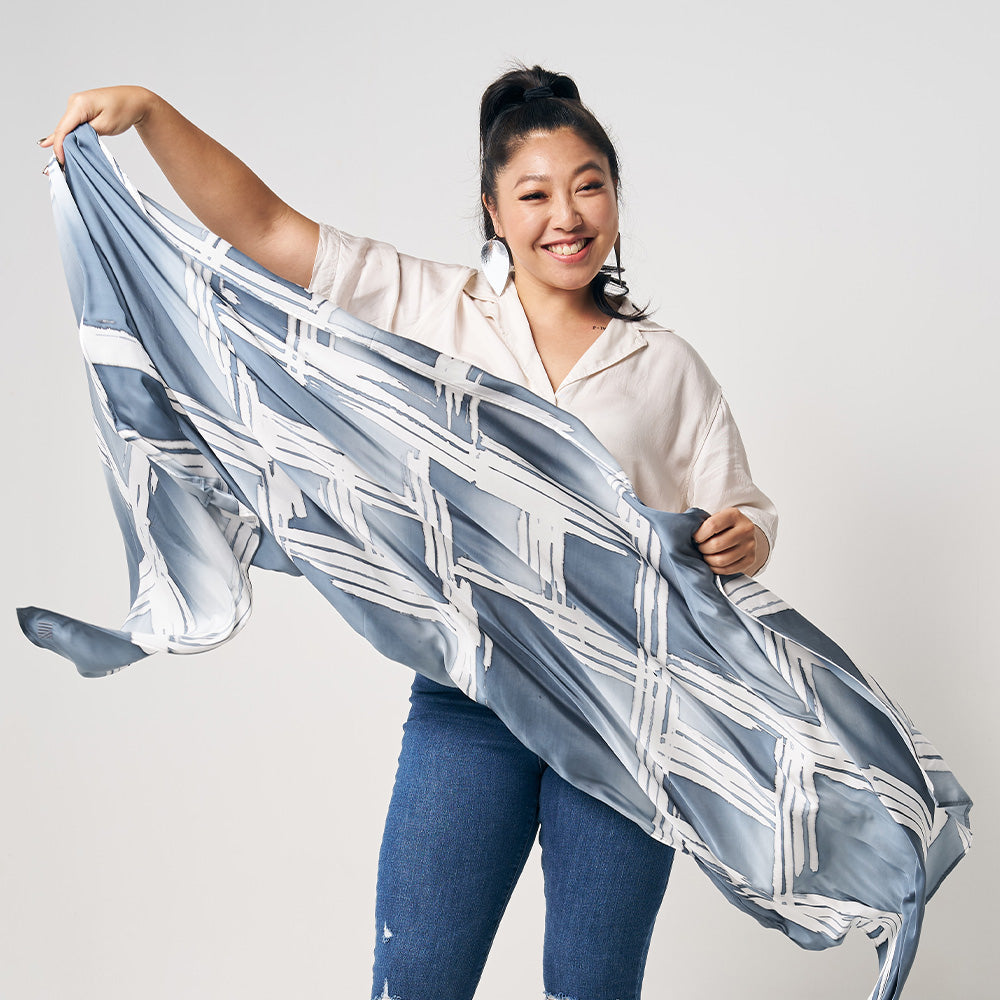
<point>762,523</point>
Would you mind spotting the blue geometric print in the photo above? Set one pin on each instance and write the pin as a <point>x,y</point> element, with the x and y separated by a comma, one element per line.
<point>487,539</point>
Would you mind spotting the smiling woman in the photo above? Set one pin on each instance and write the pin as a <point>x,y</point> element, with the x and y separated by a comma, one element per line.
<point>541,144</point>
<point>556,209</point>
<point>469,797</point>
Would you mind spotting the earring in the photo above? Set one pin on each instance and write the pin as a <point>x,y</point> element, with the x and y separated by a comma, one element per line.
<point>614,272</point>
<point>496,263</point>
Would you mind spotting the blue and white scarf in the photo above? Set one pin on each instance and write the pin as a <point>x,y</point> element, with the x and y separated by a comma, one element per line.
<point>484,537</point>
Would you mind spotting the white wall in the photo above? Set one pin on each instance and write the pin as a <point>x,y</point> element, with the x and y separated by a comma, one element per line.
<point>811,199</point>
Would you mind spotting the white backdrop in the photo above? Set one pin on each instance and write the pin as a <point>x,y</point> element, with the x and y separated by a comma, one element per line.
<point>810,199</point>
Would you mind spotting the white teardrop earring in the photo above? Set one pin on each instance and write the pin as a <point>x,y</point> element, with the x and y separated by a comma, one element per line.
<point>496,263</point>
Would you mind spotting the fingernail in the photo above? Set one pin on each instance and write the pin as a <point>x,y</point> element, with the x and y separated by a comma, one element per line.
<point>43,138</point>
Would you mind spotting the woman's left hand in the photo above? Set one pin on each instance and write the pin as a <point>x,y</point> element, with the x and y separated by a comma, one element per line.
<point>728,542</point>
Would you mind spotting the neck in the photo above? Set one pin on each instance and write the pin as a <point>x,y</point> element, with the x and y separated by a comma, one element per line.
<point>543,304</point>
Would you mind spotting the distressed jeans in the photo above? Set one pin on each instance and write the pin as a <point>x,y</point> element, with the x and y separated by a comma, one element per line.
<point>467,802</point>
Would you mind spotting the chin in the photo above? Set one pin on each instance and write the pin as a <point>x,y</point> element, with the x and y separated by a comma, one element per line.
<point>573,286</point>
<point>564,280</point>
<point>567,280</point>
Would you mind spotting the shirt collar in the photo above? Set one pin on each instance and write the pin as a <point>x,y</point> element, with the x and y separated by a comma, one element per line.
<point>616,342</point>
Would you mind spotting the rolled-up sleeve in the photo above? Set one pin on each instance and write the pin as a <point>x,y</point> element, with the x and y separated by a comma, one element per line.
<point>375,282</point>
<point>720,477</point>
<point>361,275</point>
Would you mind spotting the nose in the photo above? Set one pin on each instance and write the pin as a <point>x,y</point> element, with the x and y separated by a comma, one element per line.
<point>565,214</point>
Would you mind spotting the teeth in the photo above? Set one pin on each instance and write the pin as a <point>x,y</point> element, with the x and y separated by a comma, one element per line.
<point>567,249</point>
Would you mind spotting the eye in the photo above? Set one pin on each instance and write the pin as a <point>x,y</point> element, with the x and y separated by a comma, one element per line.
<point>532,196</point>
<point>592,186</point>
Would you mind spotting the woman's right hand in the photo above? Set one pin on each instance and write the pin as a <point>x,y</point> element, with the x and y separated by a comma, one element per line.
<point>110,110</point>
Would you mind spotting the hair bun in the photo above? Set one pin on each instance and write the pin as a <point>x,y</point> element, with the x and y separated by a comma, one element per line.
<point>560,85</point>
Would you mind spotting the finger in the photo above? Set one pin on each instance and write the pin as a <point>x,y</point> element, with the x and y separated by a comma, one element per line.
<point>738,536</point>
<point>721,540</point>
<point>717,522</point>
<point>740,567</point>
<point>76,112</point>
<point>722,557</point>
<point>60,132</point>
<point>732,551</point>
<point>63,129</point>
<point>708,528</point>
<point>57,147</point>
<point>715,545</point>
<point>732,561</point>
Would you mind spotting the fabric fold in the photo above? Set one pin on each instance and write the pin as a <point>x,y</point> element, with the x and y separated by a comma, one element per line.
<point>485,538</point>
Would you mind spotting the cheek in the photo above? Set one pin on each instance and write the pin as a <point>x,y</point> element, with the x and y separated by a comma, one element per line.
<point>521,228</point>
<point>611,215</point>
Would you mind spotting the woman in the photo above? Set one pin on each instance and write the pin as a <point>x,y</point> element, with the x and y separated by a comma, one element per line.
<point>469,797</point>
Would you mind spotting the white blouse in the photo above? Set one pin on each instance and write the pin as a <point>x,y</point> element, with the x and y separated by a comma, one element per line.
<point>643,391</point>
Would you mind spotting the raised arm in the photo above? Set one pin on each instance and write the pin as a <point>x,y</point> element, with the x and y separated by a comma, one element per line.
<point>221,190</point>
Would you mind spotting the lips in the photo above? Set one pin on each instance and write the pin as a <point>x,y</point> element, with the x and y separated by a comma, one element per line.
<point>569,249</point>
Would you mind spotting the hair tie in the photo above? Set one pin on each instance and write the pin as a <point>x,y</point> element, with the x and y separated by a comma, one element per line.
<point>537,92</point>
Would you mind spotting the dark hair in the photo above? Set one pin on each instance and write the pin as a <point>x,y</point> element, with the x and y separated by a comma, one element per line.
<point>506,119</point>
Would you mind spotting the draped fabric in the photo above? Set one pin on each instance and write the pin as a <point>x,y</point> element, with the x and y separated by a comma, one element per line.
<point>484,537</point>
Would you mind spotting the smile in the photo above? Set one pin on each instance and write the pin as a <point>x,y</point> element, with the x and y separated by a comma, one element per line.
<point>566,250</point>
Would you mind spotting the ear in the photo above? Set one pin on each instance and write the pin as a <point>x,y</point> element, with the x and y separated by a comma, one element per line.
<point>492,209</point>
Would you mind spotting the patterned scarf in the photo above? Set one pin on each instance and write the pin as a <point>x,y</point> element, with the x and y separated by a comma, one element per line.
<point>485,538</point>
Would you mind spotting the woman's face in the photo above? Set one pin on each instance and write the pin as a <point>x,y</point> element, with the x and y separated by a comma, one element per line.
<point>557,208</point>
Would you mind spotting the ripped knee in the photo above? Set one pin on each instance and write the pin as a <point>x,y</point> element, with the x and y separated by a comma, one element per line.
<point>385,937</point>
<point>385,994</point>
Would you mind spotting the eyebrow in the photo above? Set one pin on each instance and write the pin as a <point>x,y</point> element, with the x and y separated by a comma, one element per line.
<point>589,165</point>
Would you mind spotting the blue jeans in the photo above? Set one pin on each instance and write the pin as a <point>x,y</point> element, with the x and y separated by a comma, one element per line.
<point>467,802</point>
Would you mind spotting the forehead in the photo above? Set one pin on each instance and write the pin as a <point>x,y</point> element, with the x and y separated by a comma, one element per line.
<point>553,154</point>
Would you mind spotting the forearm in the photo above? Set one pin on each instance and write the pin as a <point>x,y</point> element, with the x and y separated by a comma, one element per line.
<point>221,190</point>
<point>218,187</point>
